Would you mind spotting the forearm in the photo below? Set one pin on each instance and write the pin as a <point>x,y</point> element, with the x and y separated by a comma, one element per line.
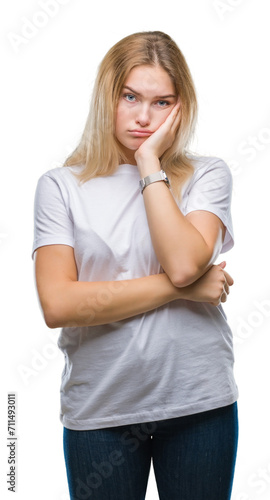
<point>77,303</point>
<point>179,246</point>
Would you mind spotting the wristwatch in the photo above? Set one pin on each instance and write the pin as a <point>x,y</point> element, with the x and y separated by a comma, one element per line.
<point>157,176</point>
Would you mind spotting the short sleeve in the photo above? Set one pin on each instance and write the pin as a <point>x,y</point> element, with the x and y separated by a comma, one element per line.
<point>52,224</point>
<point>211,190</point>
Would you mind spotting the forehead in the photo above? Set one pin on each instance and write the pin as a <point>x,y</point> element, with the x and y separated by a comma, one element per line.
<point>148,80</point>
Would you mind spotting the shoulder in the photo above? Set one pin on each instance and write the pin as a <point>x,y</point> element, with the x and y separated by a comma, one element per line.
<point>57,186</point>
<point>210,172</point>
<point>62,174</point>
<point>59,179</point>
<point>213,166</point>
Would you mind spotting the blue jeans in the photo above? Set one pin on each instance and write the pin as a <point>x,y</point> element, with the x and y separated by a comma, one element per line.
<point>193,458</point>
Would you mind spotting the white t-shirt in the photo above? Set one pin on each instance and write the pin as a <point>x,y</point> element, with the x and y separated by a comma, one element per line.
<point>173,361</point>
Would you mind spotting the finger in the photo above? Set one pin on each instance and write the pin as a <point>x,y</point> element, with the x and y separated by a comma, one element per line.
<point>223,297</point>
<point>222,264</point>
<point>176,119</point>
<point>176,111</point>
<point>228,278</point>
<point>227,288</point>
<point>170,121</point>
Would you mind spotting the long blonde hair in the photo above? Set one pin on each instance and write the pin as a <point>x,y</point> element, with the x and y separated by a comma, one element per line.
<point>98,149</point>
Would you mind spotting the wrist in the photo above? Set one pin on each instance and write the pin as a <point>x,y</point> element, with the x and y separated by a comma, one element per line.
<point>154,177</point>
<point>147,164</point>
<point>174,292</point>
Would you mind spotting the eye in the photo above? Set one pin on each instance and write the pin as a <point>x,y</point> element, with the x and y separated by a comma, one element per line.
<point>163,104</point>
<point>129,97</point>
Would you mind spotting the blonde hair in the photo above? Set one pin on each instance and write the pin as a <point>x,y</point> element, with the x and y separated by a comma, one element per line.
<point>98,150</point>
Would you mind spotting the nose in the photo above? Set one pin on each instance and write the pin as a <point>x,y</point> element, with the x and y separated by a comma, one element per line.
<point>143,115</point>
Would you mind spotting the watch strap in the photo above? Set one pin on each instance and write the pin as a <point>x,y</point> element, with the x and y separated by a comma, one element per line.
<point>155,177</point>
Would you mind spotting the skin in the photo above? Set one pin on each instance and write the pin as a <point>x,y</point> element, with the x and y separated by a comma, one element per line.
<point>186,246</point>
<point>147,109</point>
<point>65,301</point>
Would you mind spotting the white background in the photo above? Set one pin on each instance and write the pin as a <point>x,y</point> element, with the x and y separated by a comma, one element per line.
<point>47,76</point>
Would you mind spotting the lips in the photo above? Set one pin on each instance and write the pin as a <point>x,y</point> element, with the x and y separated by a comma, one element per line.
<point>140,132</point>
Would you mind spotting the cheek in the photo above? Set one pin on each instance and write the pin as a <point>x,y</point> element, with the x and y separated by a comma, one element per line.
<point>122,112</point>
<point>159,117</point>
<point>165,115</point>
<point>121,118</point>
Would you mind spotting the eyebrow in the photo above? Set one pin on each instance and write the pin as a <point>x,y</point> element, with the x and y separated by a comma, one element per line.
<point>157,96</point>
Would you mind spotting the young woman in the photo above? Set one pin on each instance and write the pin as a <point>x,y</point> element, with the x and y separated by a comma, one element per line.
<point>126,236</point>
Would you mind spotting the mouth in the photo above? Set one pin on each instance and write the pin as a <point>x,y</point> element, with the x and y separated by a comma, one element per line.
<point>140,133</point>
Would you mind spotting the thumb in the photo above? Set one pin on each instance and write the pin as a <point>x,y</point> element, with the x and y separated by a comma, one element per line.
<point>222,264</point>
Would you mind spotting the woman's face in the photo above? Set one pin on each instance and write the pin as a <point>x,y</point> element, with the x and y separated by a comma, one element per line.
<point>147,98</point>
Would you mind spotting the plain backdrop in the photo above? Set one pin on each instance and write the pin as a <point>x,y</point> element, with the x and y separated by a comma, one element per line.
<point>50,51</point>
